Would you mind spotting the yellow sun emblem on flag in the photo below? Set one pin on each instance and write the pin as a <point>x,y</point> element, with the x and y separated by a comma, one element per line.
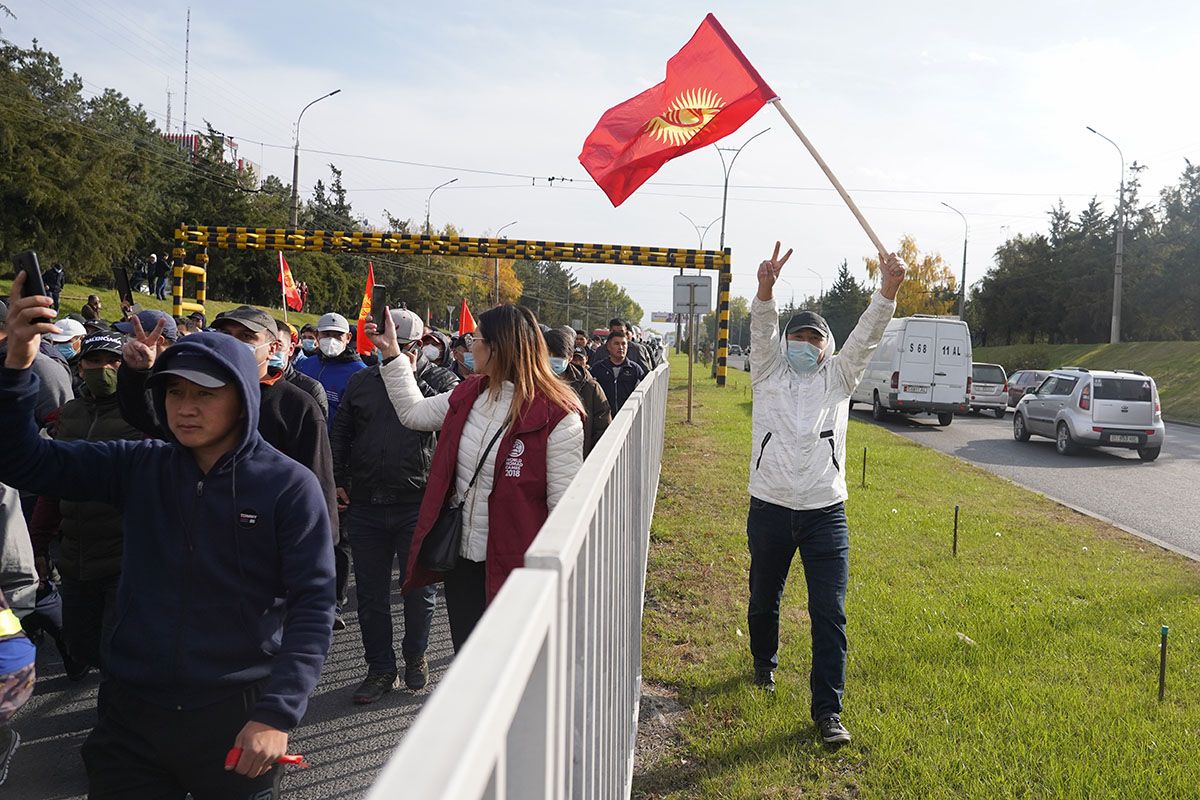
<point>685,117</point>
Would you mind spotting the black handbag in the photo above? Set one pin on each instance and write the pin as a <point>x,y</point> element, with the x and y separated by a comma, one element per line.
<point>439,550</point>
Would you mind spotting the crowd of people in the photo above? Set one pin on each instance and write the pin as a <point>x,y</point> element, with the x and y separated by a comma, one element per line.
<point>286,461</point>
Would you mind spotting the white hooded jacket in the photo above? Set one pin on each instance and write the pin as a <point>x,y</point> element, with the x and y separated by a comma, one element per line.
<point>798,457</point>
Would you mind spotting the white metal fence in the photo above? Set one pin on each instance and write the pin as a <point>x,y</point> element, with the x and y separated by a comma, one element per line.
<point>542,700</point>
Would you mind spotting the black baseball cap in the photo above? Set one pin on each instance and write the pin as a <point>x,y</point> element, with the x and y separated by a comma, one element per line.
<point>253,318</point>
<point>197,367</point>
<point>103,342</point>
<point>808,319</point>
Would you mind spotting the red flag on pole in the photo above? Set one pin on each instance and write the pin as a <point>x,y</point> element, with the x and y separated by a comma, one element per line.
<point>291,292</point>
<point>709,92</point>
<point>466,323</point>
<point>361,342</point>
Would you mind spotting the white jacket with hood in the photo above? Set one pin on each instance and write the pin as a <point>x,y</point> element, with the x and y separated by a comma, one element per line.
<point>798,457</point>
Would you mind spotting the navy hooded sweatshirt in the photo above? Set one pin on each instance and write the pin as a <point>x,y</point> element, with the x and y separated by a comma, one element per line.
<point>227,578</point>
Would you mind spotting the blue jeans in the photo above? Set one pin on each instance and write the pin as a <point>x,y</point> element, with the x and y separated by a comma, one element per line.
<point>822,536</point>
<point>380,535</point>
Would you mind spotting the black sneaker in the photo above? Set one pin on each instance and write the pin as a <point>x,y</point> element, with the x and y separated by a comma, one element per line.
<point>9,740</point>
<point>339,624</point>
<point>764,679</point>
<point>374,687</point>
<point>416,673</point>
<point>832,730</point>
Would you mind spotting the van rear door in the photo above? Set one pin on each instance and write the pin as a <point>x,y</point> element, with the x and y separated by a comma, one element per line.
<point>916,360</point>
<point>1123,401</point>
<point>952,362</point>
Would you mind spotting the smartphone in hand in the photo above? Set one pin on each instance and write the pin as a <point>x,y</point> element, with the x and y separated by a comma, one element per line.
<point>27,262</point>
<point>378,304</point>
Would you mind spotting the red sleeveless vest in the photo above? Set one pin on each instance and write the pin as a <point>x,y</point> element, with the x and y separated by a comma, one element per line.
<point>517,505</point>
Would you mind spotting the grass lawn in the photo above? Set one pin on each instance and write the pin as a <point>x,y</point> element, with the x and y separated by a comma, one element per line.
<point>1175,366</point>
<point>75,295</point>
<point>1027,667</point>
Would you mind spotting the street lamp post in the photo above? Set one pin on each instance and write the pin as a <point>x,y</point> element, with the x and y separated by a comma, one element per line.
<point>962,286</point>
<point>1115,331</point>
<point>428,230</point>
<point>496,264</point>
<point>296,159</point>
<point>728,169</point>
<point>821,297</point>
<point>701,232</point>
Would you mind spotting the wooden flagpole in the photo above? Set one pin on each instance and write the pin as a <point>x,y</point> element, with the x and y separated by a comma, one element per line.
<point>832,178</point>
<point>283,286</point>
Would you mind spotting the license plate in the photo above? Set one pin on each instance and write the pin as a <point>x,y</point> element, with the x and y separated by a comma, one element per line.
<point>1122,438</point>
<point>916,389</point>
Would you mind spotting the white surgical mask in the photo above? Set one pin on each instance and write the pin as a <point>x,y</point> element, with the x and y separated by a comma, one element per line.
<point>803,357</point>
<point>332,347</point>
<point>432,353</point>
<point>559,365</point>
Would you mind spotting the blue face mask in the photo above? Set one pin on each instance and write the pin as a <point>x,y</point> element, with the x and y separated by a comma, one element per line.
<point>308,346</point>
<point>559,365</point>
<point>67,350</point>
<point>803,357</point>
<point>469,360</point>
<point>277,361</point>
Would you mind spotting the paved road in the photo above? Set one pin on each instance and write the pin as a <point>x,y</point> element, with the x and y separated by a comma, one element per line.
<point>346,744</point>
<point>1159,499</point>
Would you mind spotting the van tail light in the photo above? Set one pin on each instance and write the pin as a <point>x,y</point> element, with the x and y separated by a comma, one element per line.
<point>1085,397</point>
<point>896,379</point>
<point>1005,389</point>
<point>1157,407</point>
<point>970,383</point>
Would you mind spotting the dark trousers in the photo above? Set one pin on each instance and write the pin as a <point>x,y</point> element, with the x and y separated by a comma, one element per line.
<point>152,753</point>
<point>54,295</point>
<point>381,535</point>
<point>822,536</point>
<point>89,616</point>
<point>466,599</point>
<point>160,287</point>
<point>341,565</point>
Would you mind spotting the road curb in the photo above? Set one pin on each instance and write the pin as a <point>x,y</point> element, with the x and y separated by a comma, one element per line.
<point>1185,423</point>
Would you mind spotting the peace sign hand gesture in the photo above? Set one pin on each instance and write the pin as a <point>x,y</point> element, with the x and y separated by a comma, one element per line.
<point>142,349</point>
<point>768,272</point>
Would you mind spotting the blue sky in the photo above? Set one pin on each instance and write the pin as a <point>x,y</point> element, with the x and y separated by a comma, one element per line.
<point>911,104</point>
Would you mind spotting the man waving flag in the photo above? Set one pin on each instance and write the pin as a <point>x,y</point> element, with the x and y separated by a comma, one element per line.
<point>709,92</point>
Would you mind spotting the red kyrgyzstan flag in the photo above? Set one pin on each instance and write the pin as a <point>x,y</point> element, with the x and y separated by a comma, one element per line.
<point>710,91</point>
<point>466,323</point>
<point>361,343</point>
<point>291,292</point>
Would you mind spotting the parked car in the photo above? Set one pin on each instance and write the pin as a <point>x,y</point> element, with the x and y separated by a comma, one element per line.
<point>1023,380</point>
<point>1092,408</point>
<point>923,364</point>
<point>989,389</point>
<point>735,350</point>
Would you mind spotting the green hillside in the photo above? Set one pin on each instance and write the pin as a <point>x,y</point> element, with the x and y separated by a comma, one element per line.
<point>1175,366</point>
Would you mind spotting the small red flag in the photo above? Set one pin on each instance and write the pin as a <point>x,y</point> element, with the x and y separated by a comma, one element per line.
<point>291,292</point>
<point>466,323</point>
<point>361,343</point>
<point>710,91</point>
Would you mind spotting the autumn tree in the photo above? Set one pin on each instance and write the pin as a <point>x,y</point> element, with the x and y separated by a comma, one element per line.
<point>929,287</point>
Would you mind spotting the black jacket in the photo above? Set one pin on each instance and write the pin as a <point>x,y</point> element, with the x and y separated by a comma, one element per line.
<point>55,279</point>
<point>375,458</point>
<point>289,420</point>
<point>617,389</point>
<point>310,385</point>
<point>597,415</point>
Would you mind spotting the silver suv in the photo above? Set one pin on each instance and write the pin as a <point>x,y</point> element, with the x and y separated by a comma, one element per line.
<point>1093,408</point>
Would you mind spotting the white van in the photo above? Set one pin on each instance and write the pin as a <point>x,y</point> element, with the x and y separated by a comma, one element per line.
<point>923,364</point>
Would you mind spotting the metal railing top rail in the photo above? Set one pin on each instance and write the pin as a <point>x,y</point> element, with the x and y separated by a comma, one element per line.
<point>567,527</point>
<point>485,685</point>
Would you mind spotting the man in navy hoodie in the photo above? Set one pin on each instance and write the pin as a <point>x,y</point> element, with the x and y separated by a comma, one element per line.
<point>225,605</point>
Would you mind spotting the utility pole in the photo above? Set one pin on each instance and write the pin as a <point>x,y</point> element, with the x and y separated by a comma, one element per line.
<point>1115,331</point>
<point>701,232</point>
<point>495,263</point>
<point>296,160</point>
<point>428,230</point>
<point>962,286</point>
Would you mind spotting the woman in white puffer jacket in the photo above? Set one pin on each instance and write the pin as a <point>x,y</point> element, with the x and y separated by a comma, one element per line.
<point>514,417</point>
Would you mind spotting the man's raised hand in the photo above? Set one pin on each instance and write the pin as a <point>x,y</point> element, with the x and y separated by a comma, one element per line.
<point>892,270</point>
<point>142,349</point>
<point>768,272</point>
<point>29,318</point>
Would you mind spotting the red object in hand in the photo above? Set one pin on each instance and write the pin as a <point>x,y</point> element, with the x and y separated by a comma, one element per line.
<point>235,753</point>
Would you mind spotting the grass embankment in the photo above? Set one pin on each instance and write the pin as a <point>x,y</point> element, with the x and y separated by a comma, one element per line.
<point>1054,696</point>
<point>75,295</point>
<point>1175,366</point>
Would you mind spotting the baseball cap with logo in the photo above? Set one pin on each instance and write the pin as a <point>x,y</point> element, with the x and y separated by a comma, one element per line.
<point>253,318</point>
<point>409,327</point>
<point>102,343</point>
<point>333,322</point>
